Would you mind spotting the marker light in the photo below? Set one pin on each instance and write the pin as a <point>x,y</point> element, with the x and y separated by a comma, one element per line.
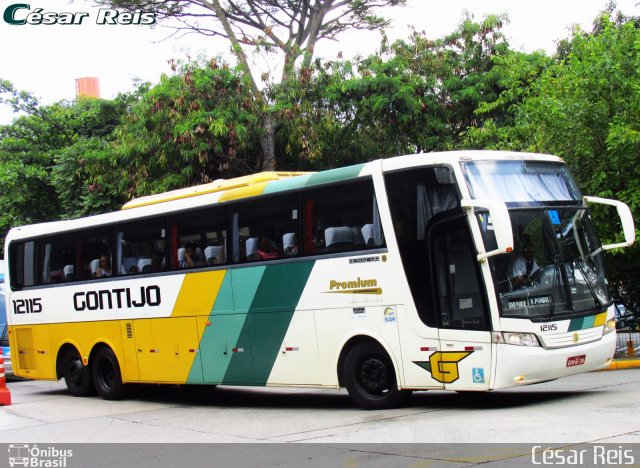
<point>521,339</point>
<point>609,326</point>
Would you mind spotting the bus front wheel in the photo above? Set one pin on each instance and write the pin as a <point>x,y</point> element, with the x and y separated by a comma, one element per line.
<point>76,375</point>
<point>106,374</point>
<point>371,379</point>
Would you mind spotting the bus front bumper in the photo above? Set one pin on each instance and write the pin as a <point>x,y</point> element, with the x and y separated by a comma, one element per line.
<point>521,365</point>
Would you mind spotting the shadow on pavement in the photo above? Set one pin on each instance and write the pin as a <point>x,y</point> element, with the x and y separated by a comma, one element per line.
<point>248,397</point>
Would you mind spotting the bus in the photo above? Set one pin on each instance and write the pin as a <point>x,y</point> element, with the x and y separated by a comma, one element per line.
<point>4,329</point>
<point>464,271</point>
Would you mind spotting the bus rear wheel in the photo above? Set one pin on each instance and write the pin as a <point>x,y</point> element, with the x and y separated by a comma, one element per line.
<point>76,375</point>
<point>371,379</point>
<point>106,375</point>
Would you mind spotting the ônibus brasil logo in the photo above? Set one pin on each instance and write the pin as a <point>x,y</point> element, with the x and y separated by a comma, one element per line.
<point>34,456</point>
<point>20,14</point>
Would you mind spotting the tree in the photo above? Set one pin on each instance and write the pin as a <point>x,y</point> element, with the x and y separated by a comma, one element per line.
<point>584,105</point>
<point>291,27</point>
<point>416,94</point>
<point>193,127</point>
<point>48,158</point>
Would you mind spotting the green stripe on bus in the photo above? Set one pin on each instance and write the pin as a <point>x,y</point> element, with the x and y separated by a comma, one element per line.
<point>249,320</point>
<point>271,313</point>
<point>588,322</point>
<point>239,361</point>
<point>268,317</point>
<point>335,175</point>
<point>287,184</point>
<point>576,324</point>
<point>228,320</point>
<point>246,282</point>
<point>582,323</point>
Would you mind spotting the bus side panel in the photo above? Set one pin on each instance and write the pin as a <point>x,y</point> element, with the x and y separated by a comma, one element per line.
<point>352,296</point>
<point>225,337</point>
<point>336,327</point>
<point>297,361</point>
<point>166,349</point>
<point>420,345</point>
<point>31,352</point>
<point>129,364</point>
<point>270,316</point>
<point>224,340</point>
<point>85,335</point>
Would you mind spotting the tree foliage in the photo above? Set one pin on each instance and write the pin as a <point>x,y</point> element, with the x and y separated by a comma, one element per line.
<point>195,126</point>
<point>291,28</point>
<point>49,155</point>
<point>585,107</point>
<point>415,95</point>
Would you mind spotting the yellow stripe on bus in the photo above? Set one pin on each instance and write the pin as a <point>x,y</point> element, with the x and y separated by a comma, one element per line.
<point>243,192</point>
<point>198,293</point>
<point>600,319</point>
<point>212,187</point>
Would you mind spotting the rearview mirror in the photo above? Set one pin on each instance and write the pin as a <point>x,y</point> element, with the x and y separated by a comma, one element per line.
<point>501,225</point>
<point>628,227</point>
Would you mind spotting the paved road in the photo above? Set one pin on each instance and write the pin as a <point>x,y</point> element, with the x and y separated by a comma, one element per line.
<point>599,407</point>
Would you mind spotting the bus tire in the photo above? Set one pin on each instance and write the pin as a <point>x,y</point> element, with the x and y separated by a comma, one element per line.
<point>370,378</point>
<point>106,374</point>
<point>76,375</point>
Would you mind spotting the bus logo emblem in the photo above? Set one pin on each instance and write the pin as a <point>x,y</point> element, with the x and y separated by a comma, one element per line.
<point>443,365</point>
<point>18,455</point>
<point>389,315</point>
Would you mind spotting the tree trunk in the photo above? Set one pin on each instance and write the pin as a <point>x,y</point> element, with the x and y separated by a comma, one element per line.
<point>268,143</point>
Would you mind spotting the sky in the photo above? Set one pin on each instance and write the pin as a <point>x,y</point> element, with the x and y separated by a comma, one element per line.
<point>46,59</point>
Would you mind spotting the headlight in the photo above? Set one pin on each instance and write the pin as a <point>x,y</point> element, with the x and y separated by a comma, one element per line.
<point>521,339</point>
<point>609,326</point>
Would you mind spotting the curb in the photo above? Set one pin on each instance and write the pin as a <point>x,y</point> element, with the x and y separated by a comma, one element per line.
<point>623,364</point>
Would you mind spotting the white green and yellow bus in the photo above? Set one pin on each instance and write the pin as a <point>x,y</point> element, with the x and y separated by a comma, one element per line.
<point>466,271</point>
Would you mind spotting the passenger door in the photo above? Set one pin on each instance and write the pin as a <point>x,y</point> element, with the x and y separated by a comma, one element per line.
<point>464,360</point>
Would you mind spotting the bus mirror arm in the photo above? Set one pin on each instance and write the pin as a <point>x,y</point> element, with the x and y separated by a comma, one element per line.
<point>626,218</point>
<point>501,225</point>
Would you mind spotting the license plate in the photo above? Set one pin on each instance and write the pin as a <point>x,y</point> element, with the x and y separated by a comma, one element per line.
<point>576,360</point>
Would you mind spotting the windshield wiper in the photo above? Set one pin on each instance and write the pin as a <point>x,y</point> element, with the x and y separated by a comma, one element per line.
<point>579,264</point>
<point>552,304</point>
<point>559,270</point>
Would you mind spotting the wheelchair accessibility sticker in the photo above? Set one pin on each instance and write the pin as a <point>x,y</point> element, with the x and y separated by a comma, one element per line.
<point>478,375</point>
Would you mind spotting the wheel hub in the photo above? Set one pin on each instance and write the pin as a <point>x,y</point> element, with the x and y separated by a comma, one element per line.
<point>374,376</point>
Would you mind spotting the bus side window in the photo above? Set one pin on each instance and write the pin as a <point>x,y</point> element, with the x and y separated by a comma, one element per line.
<point>57,259</point>
<point>22,264</point>
<point>199,238</point>
<point>342,218</point>
<point>96,254</point>
<point>265,230</point>
<point>141,247</point>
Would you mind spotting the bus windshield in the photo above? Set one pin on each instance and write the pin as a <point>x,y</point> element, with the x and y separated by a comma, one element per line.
<point>530,183</point>
<point>556,267</point>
